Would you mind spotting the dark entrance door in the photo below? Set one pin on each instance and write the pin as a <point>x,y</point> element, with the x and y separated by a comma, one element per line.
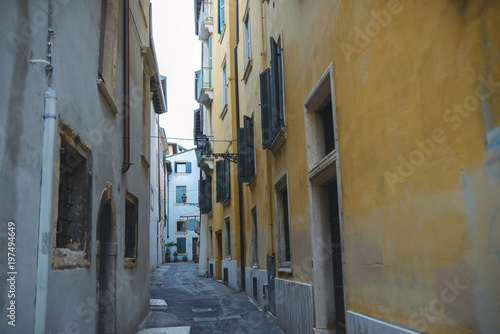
<point>338,277</point>
<point>106,270</point>
<point>271,274</point>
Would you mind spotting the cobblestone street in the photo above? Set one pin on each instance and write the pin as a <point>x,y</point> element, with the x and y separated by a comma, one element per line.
<point>182,302</point>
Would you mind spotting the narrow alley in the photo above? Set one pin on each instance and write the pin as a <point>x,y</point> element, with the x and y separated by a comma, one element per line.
<point>181,302</point>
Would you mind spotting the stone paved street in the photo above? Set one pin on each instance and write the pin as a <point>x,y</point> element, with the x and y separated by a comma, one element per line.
<point>182,302</point>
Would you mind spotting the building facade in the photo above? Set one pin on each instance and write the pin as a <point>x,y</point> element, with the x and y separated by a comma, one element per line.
<point>183,182</point>
<point>367,175</point>
<point>75,148</point>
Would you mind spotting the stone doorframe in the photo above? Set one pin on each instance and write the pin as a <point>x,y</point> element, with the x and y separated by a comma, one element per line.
<point>322,168</point>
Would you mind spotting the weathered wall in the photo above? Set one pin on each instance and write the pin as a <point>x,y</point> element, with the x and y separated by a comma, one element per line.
<point>72,292</point>
<point>416,93</point>
<point>419,177</point>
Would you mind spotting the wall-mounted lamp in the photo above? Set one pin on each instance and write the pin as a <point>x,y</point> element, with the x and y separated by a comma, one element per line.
<point>203,147</point>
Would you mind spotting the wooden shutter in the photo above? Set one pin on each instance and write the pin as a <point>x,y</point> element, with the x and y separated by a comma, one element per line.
<point>219,180</point>
<point>227,182</point>
<point>208,192</point>
<point>197,123</point>
<point>265,107</point>
<point>202,196</point>
<point>218,16</point>
<point>246,156</point>
<point>242,175</point>
<point>249,134</point>
<point>276,91</point>
<point>188,167</point>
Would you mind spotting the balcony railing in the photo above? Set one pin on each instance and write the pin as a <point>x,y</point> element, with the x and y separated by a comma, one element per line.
<point>204,80</point>
<point>205,14</point>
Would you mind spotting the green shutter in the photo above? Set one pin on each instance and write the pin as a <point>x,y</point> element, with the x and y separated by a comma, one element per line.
<point>175,167</point>
<point>208,191</point>
<point>266,109</point>
<point>227,183</point>
<point>188,167</point>
<point>246,154</point>
<point>276,102</point>
<point>218,180</point>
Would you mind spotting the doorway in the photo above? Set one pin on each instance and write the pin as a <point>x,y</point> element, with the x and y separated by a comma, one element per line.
<point>338,275</point>
<point>218,259</point>
<point>106,264</point>
<point>195,246</point>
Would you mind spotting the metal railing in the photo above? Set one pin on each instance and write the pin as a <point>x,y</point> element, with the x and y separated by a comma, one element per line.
<point>204,80</point>
<point>205,13</point>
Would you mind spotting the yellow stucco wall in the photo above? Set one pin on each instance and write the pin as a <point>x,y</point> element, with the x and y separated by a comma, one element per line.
<point>421,243</point>
<point>419,180</point>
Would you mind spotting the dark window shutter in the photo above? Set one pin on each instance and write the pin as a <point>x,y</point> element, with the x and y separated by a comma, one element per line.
<point>188,167</point>
<point>227,182</point>
<point>219,180</point>
<point>202,196</point>
<point>175,167</point>
<point>197,123</point>
<point>249,134</point>
<point>276,103</point>
<point>246,157</point>
<point>242,147</point>
<point>218,16</point>
<point>208,192</point>
<point>265,107</point>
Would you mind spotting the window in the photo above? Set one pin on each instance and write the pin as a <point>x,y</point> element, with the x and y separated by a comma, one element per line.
<point>131,224</point>
<point>246,151</point>
<point>205,193</point>
<point>255,258</point>
<point>108,50</point>
<point>180,226</point>
<point>227,238</point>
<point>223,180</point>
<point>182,167</point>
<point>247,54</point>
<point>283,225</point>
<point>181,245</point>
<point>224,85</point>
<point>221,15</point>
<point>271,96</point>
<point>179,192</point>
<point>73,224</point>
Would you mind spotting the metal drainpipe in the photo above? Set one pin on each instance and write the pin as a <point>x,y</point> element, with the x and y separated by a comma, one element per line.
<point>47,204</point>
<point>47,193</point>
<point>240,193</point>
<point>126,89</point>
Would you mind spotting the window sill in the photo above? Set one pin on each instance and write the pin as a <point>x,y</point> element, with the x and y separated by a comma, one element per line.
<point>224,112</point>
<point>210,214</point>
<point>226,202</point>
<point>65,258</point>
<point>285,267</point>
<point>252,182</point>
<point>181,232</point>
<point>248,69</point>
<point>278,142</point>
<point>228,258</point>
<point>255,266</point>
<point>107,96</point>
<point>130,262</point>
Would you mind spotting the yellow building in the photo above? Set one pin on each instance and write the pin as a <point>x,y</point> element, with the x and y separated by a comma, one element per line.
<point>368,159</point>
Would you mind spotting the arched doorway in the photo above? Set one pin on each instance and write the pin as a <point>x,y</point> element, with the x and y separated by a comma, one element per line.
<point>106,263</point>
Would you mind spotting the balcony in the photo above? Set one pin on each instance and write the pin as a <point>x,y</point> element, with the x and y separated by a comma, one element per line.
<point>204,91</point>
<point>205,21</point>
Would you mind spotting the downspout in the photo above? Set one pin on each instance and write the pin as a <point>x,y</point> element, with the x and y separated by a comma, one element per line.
<point>126,89</point>
<point>240,192</point>
<point>47,194</point>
